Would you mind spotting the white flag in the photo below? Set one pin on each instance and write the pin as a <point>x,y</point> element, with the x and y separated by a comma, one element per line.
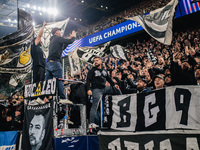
<point>74,63</point>
<point>47,33</point>
<point>87,54</point>
<point>118,51</point>
<point>158,23</point>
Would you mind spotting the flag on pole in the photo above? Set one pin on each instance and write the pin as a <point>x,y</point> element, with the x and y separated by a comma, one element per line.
<point>158,24</point>
<point>86,54</point>
<point>118,51</point>
<point>47,33</point>
<point>74,63</point>
<point>15,57</point>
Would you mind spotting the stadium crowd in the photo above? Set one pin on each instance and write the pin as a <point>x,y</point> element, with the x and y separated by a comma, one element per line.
<point>12,113</point>
<point>177,64</point>
<point>106,22</point>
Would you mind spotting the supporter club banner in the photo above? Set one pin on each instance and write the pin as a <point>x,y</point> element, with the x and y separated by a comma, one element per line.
<point>157,140</point>
<point>158,23</point>
<point>15,57</point>
<point>47,33</point>
<point>42,88</point>
<point>38,127</point>
<point>171,108</point>
<point>8,140</point>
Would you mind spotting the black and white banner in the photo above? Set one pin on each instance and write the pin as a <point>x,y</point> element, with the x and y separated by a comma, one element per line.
<point>47,33</point>
<point>157,140</point>
<point>118,51</point>
<point>42,88</point>
<point>38,127</point>
<point>151,57</point>
<point>74,63</point>
<point>158,23</point>
<point>15,57</point>
<point>171,108</point>
<point>87,53</point>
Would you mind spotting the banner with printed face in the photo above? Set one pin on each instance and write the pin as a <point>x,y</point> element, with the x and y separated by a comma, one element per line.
<point>171,108</point>
<point>15,57</point>
<point>158,24</point>
<point>38,127</point>
<point>42,88</point>
<point>154,140</point>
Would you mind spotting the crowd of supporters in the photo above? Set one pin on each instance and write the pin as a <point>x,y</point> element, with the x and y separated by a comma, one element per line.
<point>12,113</point>
<point>106,22</point>
<point>177,64</point>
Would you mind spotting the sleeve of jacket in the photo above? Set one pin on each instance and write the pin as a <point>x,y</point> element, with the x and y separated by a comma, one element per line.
<point>191,61</point>
<point>65,41</point>
<point>89,79</point>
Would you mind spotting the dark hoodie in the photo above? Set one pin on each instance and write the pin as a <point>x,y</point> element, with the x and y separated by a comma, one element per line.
<point>97,78</point>
<point>56,47</point>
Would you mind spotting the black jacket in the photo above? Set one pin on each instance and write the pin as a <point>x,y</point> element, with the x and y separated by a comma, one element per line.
<point>181,77</point>
<point>97,78</point>
<point>37,56</point>
<point>56,47</point>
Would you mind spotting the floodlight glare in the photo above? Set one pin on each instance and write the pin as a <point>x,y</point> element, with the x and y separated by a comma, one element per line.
<point>9,20</point>
<point>15,21</point>
<point>44,9</point>
<point>82,1</point>
<point>39,8</point>
<point>40,14</point>
<point>106,7</point>
<point>50,11</point>
<point>101,6</point>
<point>54,11</point>
<point>28,5</point>
<point>34,7</point>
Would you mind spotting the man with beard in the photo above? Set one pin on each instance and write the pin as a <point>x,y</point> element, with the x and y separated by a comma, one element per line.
<point>36,131</point>
<point>38,57</point>
<point>97,78</point>
<point>141,85</point>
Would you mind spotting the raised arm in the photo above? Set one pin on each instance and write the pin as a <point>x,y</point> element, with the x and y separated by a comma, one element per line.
<point>37,40</point>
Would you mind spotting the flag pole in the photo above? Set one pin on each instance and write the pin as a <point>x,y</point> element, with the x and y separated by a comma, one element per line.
<point>17,16</point>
